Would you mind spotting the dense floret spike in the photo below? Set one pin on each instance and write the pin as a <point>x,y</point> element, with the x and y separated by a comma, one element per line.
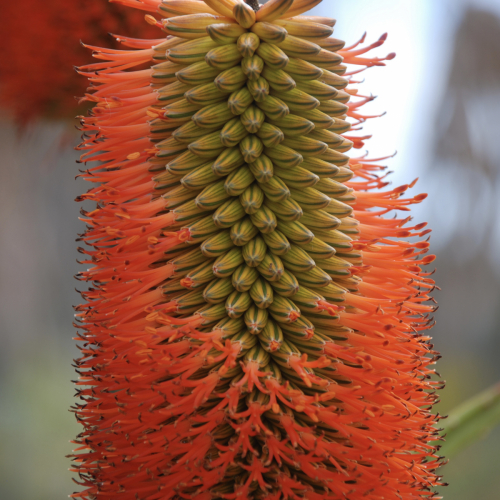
<point>255,325</point>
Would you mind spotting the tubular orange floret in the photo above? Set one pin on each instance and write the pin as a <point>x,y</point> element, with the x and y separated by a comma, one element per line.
<point>332,309</point>
<point>255,321</point>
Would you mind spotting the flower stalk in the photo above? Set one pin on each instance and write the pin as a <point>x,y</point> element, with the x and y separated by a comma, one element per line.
<point>255,325</point>
<point>472,420</point>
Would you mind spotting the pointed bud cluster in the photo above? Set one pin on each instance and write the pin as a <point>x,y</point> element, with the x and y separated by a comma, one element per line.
<point>255,325</point>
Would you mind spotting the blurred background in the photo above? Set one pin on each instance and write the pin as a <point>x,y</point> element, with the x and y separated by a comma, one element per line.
<point>442,97</point>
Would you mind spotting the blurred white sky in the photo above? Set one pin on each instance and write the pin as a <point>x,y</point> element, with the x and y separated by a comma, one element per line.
<point>410,89</point>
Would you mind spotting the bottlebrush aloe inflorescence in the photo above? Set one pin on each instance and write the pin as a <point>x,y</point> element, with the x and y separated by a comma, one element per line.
<point>255,327</point>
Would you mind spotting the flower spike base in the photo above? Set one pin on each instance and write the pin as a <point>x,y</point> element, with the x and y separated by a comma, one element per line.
<point>254,327</point>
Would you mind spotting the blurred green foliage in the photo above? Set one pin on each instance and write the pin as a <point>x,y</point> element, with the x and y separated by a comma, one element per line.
<point>35,425</point>
<point>472,472</point>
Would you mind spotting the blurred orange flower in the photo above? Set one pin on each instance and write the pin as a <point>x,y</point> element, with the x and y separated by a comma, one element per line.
<point>41,43</point>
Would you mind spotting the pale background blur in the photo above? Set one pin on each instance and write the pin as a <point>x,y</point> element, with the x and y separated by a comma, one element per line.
<point>442,97</point>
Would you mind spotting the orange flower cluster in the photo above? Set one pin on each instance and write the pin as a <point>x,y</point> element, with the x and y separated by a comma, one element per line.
<point>41,44</point>
<point>255,326</point>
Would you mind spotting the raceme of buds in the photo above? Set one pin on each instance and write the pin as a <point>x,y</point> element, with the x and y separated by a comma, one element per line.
<point>255,322</point>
